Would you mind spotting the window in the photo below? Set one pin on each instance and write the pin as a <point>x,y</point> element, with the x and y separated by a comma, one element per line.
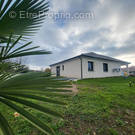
<point>105,67</point>
<point>116,70</point>
<point>62,67</point>
<point>90,66</point>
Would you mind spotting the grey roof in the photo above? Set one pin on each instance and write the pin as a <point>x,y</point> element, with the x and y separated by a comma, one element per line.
<point>99,56</point>
<point>94,55</point>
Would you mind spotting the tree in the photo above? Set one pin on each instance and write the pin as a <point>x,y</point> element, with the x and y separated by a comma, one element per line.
<point>48,70</point>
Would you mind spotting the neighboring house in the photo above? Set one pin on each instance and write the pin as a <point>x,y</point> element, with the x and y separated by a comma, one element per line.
<point>132,73</point>
<point>131,70</point>
<point>88,65</point>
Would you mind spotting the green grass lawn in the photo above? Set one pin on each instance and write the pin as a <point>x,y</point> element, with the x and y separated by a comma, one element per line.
<point>102,107</point>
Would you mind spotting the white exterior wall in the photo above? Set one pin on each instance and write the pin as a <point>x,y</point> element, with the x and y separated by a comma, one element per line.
<point>72,68</point>
<point>98,68</point>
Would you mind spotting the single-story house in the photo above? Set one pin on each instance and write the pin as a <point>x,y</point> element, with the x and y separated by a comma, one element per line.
<point>89,65</point>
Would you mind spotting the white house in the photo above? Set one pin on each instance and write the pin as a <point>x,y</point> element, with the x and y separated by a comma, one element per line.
<point>88,65</point>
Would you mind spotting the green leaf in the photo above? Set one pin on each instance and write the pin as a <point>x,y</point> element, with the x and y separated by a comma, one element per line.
<point>1,4</point>
<point>8,51</point>
<point>32,105</point>
<point>48,94</point>
<point>8,43</point>
<point>32,119</point>
<point>12,46</point>
<point>44,99</point>
<point>18,25</point>
<point>36,86</point>
<point>6,129</point>
<point>5,7</point>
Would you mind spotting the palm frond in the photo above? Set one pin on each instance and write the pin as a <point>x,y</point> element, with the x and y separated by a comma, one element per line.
<point>7,70</point>
<point>14,17</point>
<point>5,126</point>
<point>8,51</point>
<point>32,105</point>
<point>31,96</point>
<point>20,89</point>
<point>32,119</point>
<point>12,91</point>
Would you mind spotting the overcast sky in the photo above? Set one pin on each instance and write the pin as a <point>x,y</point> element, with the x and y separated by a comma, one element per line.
<point>110,31</point>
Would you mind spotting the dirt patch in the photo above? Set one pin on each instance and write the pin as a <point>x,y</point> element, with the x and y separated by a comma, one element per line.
<point>34,132</point>
<point>74,89</point>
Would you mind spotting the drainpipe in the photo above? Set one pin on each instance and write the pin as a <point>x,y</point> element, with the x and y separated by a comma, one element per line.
<point>127,69</point>
<point>81,68</point>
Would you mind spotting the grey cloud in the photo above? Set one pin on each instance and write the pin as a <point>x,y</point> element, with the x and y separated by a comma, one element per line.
<point>113,26</point>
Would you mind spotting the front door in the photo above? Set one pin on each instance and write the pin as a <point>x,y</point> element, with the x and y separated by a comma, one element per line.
<point>58,70</point>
